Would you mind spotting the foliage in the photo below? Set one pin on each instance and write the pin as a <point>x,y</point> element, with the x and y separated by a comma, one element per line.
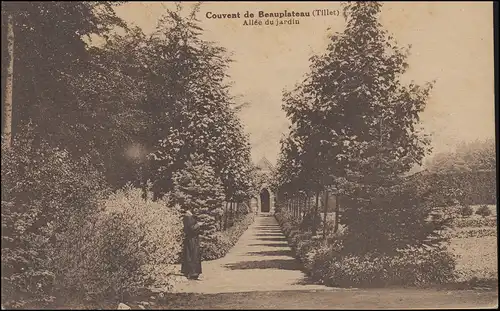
<point>108,100</point>
<point>108,107</point>
<point>226,239</point>
<point>48,71</point>
<point>470,187</point>
<point>202,120</point>
<point>328,262</point>
<point>475,232</point>
<point>483,210</point>
<point>198,189</point>
<point>393,219</point>
<point>466,211</point>
<point>412,267</point>
<point>124,248</point>
<point>45,197</point>
<point>58,238</point>
<point>309,220</point>
<point>355,132</point>
<point>468,157</point>
<point>469,170</point>
<point>474,222</point>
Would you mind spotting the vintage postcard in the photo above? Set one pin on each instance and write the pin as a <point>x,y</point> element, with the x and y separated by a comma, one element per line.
<point>248,155</point>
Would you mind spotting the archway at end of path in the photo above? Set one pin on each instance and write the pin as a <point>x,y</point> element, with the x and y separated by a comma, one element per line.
<point>265,202</point>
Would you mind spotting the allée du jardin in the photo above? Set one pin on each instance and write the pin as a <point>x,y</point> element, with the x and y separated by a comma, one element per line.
<point>270,22</point>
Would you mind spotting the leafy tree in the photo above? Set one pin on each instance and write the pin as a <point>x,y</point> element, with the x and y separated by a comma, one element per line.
<point>48,67</point>
<point>77,96</point>
<point>196,187</point>
<point>128,82</point>
<point>358,125</point>
<point>46,195</point>
<point>201,118</point>
<point>472,156</point>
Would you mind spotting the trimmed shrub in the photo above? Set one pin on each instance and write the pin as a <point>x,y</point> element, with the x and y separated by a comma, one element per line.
<point>410,267</point>
<point>484,211</point>
<point>466,211</point>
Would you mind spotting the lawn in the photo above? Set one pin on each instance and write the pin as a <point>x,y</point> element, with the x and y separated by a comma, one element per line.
<point>477,257</point>
<point>474,241</point>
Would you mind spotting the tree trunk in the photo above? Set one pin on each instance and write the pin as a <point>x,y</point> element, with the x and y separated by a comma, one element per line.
<point>231,214</point>
<point>9,83</point>
<point>299,201</point>
<point>237,210</point>
<point>295,207</point>
<point>298,208</point>
<point>221,221</point>
<point>325,212</point>
<point>337,209</point>
<point>315,212</point>
<point>225,215</point>
<point>305,206</point>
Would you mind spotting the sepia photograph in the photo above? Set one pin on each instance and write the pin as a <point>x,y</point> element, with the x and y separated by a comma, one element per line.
<point>248,155</point>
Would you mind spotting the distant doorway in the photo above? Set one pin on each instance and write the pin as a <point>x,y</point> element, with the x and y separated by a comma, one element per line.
<point>265,203</point>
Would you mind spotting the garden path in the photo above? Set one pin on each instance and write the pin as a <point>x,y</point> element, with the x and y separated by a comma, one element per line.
<point>259,272</point>
<point>260,261</point>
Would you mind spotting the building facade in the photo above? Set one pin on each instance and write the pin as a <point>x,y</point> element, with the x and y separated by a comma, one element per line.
<point>264,202</point>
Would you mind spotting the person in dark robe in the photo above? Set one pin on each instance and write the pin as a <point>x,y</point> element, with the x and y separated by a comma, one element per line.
<point>191,257</point>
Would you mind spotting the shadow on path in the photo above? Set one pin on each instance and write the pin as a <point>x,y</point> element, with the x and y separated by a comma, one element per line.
<point>271,234</point>
<point>260,261</point>
<point>270,244</point>
<point>281,264</point>
<point>282,239</point>
<point>285,252</point>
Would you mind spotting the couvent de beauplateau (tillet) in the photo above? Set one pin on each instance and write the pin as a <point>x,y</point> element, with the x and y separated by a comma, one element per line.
<point>247,14</point>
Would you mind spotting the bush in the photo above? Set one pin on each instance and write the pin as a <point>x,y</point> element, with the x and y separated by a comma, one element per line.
<point>310,220</point>
<point>385,218</point>
<point>61,238</point>
<point>328,263</point>
<point>46,197</point>
<point>126,248</point>
<point>411,267</point>
<point>466,211</point>
<point>484,211</point>
<point>225,240</point>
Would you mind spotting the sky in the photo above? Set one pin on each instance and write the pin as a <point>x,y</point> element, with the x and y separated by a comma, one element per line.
<point>452,43</point>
